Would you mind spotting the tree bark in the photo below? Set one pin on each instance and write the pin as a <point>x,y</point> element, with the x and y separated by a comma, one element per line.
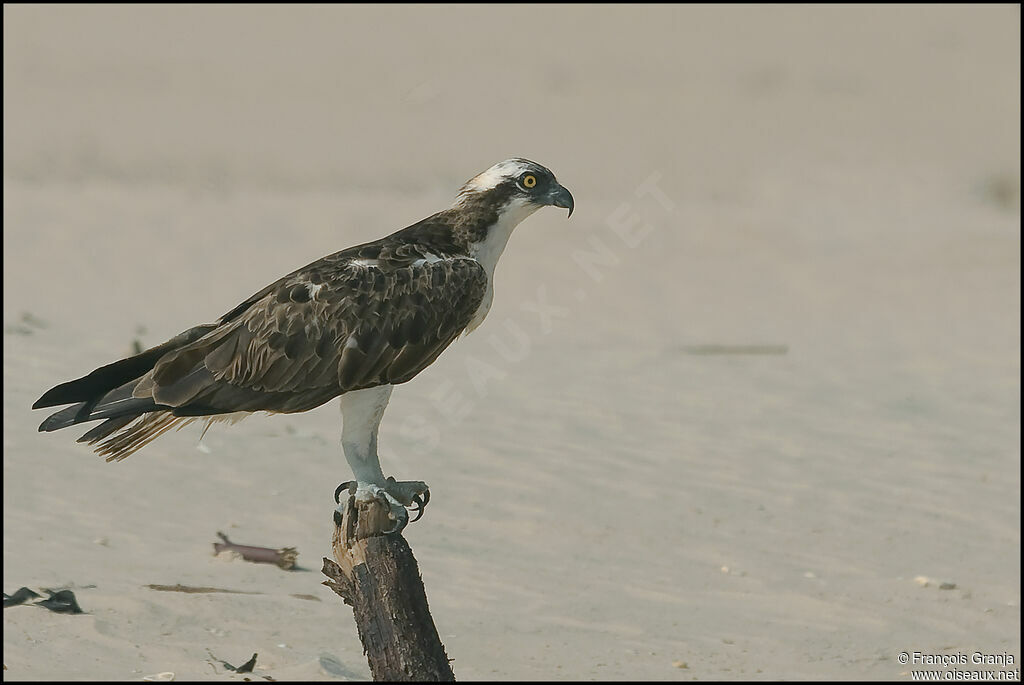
<point>377,575</point>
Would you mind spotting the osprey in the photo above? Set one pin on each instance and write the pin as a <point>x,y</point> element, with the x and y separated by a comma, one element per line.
<point>352,324</point>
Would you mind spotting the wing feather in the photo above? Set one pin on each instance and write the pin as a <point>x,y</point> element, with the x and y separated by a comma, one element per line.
<point>319,332</point>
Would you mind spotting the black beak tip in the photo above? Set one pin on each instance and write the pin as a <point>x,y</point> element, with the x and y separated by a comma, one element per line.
<point>563,198</point>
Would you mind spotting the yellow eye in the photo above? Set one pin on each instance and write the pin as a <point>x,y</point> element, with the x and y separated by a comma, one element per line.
<point>529,181</point>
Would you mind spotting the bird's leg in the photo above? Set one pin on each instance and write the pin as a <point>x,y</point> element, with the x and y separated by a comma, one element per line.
<point>362,411</point>
<point>370,484</point>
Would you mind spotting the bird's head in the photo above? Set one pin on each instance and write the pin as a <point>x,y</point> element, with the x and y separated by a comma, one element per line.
<point>516,188</point>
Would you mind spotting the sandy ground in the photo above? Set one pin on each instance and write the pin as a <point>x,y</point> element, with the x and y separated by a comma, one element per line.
<point>612,498</point>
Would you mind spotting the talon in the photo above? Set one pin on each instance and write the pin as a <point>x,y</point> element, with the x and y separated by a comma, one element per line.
<point>420,506</point>
<point>347,485</point>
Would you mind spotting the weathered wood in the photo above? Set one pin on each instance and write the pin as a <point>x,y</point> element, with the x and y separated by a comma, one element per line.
<point>378,576</point>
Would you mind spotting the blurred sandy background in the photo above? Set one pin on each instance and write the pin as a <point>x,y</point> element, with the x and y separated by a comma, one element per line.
<point>614,499</point>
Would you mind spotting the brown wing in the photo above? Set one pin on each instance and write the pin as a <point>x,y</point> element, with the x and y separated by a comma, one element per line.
<point>337,325</point>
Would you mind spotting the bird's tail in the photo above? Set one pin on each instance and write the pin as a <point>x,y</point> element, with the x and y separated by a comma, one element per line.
<point>107,393</point>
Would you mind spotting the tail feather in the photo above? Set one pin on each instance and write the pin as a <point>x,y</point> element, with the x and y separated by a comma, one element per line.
<point>121,395</point>
<point>106,428</point>
<point>76,413</point>
<point>107,378</point>
<point>114,404</point>
<point>108,393</point>
<point>121,439</point>
<point>127,434</point>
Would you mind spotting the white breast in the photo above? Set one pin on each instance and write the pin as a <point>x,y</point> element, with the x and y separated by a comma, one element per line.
<point>488,250</point>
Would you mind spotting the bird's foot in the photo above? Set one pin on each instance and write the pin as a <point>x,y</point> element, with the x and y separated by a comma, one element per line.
<point>395,495</point>
<point>411,493</point>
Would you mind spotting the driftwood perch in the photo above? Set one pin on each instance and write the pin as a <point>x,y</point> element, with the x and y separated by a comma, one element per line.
<point>377,575</point>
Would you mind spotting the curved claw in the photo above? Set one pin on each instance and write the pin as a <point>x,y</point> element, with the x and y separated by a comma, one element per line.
<point>421,505</point>
<point>347,485</point>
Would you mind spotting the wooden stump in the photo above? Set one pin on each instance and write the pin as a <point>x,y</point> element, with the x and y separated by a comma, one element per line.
<point>377,575</point>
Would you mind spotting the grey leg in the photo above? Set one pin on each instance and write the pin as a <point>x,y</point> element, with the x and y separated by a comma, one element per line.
<point>362,411</point>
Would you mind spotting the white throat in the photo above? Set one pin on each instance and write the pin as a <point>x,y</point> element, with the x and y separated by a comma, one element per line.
<point>488,250</point>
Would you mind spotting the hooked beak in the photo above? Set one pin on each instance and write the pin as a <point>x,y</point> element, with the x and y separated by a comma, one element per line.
<point>561,197</point>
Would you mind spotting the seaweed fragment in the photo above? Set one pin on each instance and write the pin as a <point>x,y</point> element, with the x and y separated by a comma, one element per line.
<point>20,596</point>
<point>61,601</point>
